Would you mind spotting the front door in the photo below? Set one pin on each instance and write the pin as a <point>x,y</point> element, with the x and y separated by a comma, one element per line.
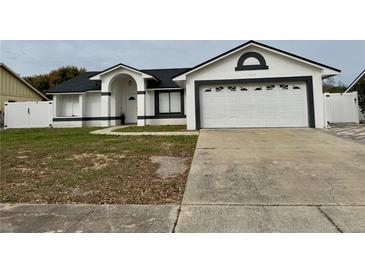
<point>131,113</point>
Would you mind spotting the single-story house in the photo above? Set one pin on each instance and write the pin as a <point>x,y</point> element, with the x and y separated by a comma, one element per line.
<point>252,85</point>
<point>13,88</point>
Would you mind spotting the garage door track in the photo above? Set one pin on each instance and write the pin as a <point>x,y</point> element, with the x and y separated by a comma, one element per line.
<point>274,180</point>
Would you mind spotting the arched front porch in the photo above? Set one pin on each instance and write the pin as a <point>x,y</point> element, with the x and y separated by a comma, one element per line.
<point>123,98</point>
<point>123,93</point>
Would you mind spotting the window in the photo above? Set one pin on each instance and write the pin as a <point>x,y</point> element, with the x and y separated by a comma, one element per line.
<point>296,87</point>
<point>258,88</point>
<point>244,89</point>
<point>67,105</point>
<point>284,86</point>
<point>232,88</point>
<point>208,90</point>
<point>218,89</point>
<point>270,87</point>
<point>169,102</point>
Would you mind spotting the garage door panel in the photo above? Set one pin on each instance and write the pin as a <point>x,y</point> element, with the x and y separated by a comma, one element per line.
<point>261,105</point>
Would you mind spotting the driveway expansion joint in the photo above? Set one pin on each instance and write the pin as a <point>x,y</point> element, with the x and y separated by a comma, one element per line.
<point>329,219</point>
<point>176,220</point>
<point>81,219</point>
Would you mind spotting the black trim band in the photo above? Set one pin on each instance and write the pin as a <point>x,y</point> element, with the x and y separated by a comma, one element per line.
<point>106,94</point>
<point>167,116</point>
<point>66,119</point>
<point>307,79</point>
<point>74,119</point>
<point>141,92</point>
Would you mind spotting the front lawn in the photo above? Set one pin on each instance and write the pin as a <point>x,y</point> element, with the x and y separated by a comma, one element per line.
<point>165,128</point>
<point>73,166</point>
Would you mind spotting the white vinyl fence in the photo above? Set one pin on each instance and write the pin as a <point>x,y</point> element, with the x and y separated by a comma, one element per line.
<point>28,114</point>
<point>341,107</point>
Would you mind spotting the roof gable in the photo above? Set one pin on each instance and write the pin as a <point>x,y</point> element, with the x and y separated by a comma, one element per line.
<point>2,65</point>
<point>120,65</point>
<point>259,45</point>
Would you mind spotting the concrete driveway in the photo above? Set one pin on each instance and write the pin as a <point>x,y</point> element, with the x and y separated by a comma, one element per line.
<point>274,180</point>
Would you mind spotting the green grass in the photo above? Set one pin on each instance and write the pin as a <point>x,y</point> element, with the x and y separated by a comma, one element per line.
<point>74,166</point>
<point>165,128</point>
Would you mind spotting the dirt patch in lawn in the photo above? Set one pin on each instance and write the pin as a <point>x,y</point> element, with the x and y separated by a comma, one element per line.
<point>94,161</point>
<point>170,166</point>
<point>73,166</point>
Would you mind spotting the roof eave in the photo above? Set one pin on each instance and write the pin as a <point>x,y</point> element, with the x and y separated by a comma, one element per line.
<point>143,74</point>
<point>65,93</point>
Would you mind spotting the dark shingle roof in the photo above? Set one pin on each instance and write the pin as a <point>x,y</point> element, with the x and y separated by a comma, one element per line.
<point>82,82</point>
<point>164,76</point>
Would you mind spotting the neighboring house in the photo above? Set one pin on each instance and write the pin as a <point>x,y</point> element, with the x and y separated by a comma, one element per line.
<point>13,88</point>
<point>353,85</point>
<point>252,85</point>
<point>360,88</point>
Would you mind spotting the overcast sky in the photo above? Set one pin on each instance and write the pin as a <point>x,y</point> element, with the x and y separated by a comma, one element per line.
<point>34,57</point>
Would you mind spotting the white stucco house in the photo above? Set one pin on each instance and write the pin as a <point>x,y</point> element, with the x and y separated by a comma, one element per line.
<point>252,85</point>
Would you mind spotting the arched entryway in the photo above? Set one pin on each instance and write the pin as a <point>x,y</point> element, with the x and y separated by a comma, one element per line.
<point>124,98</point>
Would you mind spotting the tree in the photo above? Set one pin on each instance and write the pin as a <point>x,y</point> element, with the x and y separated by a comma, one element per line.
<point>330,86</point>
<point>44,82</point>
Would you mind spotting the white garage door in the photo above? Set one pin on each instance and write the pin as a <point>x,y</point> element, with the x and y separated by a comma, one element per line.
<point>254,105</point>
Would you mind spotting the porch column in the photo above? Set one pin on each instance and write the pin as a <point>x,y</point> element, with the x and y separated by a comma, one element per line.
<point>105,109</point>
<point>54,106</point>
<point>141,108</point>
<point>81,107</point>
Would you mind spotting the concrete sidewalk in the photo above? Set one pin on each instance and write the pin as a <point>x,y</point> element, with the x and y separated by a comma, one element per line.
<point>192,218</point>
<point>87,218</point>
<point>271,219</point>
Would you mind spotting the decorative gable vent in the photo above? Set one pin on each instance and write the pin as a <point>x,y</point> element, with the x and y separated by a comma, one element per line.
<point>260,60</point>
